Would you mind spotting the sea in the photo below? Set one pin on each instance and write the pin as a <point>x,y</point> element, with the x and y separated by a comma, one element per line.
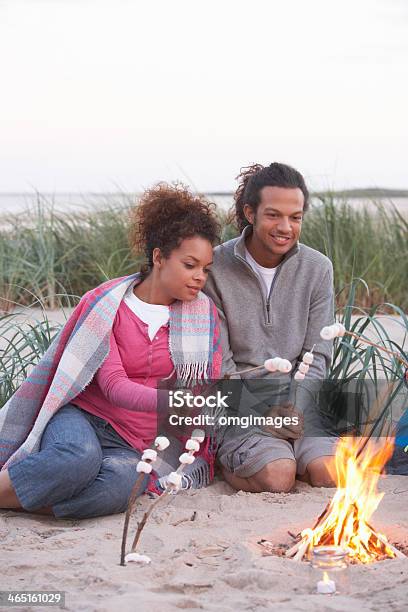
<point>16,203</point>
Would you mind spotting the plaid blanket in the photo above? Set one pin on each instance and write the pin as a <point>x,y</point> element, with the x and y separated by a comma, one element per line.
<point>79,350</point>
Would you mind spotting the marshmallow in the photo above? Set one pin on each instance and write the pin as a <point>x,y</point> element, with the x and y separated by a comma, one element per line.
<point>149,454</point>
<point>304,368</point>
<point>333,331</point>
<point>186,458</point>
<point>299,375</point>
<point>174,479</point>
<point>136,558</point>
<point>308,358</point>
<point>144,467</point>
<point>161,442</point>
<point>341,330</point>
<point>328,332</point>
<point>193,445</point>
<point>270,365</point>
<point>198,434</point>
<point>276,361</point>
<point>284,366</point>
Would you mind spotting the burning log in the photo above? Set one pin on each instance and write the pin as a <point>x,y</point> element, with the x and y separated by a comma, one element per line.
<point>345,520</point>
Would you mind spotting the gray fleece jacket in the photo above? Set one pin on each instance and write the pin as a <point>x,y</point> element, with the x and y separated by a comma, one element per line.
<point>287,323</point>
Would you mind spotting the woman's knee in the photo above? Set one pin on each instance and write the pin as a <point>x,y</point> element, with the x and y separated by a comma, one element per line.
<point>119,477</point>
<point>72,445</point>
<point>79,462</point>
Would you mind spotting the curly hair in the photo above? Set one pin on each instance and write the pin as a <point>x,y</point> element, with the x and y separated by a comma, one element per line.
<point>166,215</point>
<point>253,178</point>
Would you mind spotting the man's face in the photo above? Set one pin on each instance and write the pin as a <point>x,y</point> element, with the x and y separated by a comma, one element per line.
<point>277,222</point>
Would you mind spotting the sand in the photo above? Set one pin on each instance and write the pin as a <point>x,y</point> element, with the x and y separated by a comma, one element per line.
<point>210,563</point>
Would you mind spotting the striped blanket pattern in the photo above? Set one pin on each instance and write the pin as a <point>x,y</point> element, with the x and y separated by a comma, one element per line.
<point>80,348</point>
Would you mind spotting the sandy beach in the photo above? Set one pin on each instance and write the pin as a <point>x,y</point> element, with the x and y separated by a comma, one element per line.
<point>204,551</point>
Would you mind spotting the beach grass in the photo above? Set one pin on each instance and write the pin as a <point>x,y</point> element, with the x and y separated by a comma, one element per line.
<point>58,256</point>
<point>25,338</point>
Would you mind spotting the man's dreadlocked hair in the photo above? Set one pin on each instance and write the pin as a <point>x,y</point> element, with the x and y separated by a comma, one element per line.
<point>253,178</point>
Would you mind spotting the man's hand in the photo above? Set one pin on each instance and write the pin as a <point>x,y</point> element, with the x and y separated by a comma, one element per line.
<point>287,414</point>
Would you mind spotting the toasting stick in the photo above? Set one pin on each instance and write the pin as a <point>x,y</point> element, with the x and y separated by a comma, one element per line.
<point>173,484</point>
<point>338,331</point>
<point>275,364</point>
<point>143,467</point>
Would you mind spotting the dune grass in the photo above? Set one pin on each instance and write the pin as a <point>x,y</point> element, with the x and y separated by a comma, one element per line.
<point>357,371</point>
<point>373,247</point>
<point>58,256</point>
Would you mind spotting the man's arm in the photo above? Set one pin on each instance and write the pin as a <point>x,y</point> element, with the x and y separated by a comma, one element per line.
<point>211,289</point>
<point>321,313</point>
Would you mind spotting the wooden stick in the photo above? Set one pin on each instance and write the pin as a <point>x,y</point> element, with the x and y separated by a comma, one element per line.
<point>228,376</point>
<point>380,348</point>
<point>131,505</point>
<point>384,541</point>
<point>291,551</point>
<point>321,516</point>
<point>294,548</point>
<point>302,550</point>
<point>145,517</point>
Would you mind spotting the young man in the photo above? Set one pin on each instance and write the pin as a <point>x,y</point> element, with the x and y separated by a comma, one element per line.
<point>273,296</point>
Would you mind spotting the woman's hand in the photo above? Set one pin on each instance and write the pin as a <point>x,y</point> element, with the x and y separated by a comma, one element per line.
<point>184,409</point>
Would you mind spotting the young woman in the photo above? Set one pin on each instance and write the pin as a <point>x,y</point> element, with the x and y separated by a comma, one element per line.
<point>73,433</point>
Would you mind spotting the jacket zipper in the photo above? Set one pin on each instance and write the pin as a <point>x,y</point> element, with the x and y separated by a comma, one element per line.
<point>268,299</point>
<point>267,304</point>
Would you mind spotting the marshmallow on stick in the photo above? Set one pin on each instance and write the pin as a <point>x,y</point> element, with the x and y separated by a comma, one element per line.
<point>338,331</point>
<point>306,362</point>
<point>143,468</point>
<point>277,364</point>
<point>173,480</point>
<point>333,331</point>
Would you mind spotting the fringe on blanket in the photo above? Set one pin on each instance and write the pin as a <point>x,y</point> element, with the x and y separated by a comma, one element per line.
<point>189,373</point>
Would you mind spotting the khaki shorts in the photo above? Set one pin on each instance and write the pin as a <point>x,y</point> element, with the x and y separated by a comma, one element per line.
<point>246,456</point>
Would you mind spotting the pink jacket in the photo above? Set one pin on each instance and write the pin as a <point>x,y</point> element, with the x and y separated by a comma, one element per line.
<point>123,391</point>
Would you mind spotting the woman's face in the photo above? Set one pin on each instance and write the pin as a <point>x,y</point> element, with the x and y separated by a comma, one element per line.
<point>184,273</point>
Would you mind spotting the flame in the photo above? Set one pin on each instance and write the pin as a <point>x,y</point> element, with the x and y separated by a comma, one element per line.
<point>346,521</point>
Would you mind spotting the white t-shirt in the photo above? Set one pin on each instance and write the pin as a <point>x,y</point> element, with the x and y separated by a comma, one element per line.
<point>265,274</point>
<point>154,315</point>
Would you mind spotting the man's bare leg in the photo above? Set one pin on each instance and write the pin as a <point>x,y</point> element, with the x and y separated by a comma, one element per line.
<point>318,473</point>
<point>276,477</point>
<point>238,483</point>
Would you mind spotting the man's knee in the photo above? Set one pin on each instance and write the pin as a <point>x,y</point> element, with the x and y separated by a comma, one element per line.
<point>276,477</point>
<point>319,472</point>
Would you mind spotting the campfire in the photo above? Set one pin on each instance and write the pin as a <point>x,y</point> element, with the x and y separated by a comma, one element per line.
<point>345,521</point>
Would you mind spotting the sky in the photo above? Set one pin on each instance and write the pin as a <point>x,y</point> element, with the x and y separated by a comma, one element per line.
<point>107,95</point>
